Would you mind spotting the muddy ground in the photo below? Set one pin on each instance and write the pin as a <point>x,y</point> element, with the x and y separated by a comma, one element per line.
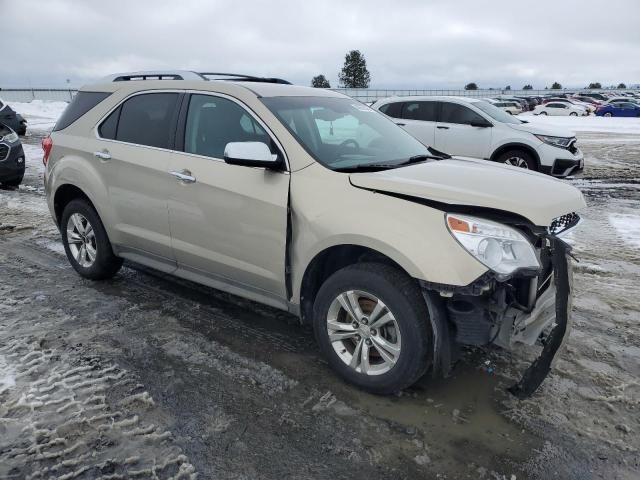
<point>146,376</point>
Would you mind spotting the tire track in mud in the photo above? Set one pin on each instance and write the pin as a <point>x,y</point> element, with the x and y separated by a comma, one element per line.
<point>64,419</point>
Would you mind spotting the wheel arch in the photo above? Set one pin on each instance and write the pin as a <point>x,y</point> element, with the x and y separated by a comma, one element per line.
<point>330,260</point>
<point>516,146</point>
<point>66,193</point>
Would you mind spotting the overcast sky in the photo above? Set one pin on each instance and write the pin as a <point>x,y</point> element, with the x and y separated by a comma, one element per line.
<point>407,44</point>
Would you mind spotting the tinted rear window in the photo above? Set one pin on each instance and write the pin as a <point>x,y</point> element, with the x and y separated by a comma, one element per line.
<point>81,104</point>
<point>145,119</point>
<point>426,111</point>
<point>392,109</point>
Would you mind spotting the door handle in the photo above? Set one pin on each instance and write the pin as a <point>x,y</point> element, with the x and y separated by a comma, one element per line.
<point>401,124</point>
<point>102,155</point>
<point>184,176</point>
<point>442,127</point>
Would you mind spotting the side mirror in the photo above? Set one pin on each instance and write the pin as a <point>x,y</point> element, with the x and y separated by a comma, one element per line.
<point>481,124</point>
<point>250,154</point>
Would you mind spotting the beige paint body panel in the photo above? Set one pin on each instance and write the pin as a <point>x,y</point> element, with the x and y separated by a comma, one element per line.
<point>329,211</point>
<point>533,195</point>
<point>231,222</point>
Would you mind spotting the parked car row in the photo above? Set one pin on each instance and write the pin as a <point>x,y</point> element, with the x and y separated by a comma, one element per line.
<point>577,103</point>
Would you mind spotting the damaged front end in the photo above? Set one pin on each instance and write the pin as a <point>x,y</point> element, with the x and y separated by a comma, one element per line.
<point>528,306</point>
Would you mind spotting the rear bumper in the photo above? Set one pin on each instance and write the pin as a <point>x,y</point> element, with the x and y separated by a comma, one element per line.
<point>489,312</point>
<point>12,166</point>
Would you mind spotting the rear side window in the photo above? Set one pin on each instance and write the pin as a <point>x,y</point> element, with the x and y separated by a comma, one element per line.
<point>454,113</point>
<point>392,109</point>
<point>80,104</point>
<point>425,111</point>
<point>108,128</point>
<point>145,119</point>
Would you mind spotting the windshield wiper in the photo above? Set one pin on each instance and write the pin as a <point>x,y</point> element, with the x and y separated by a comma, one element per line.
<point>376,167</point>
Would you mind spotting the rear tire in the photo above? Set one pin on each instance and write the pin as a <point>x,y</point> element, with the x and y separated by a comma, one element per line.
<point>518,158</point>
<point>86,242</point>
<point>383,344</point>
<point>608,114</point>
<point>573,114</point>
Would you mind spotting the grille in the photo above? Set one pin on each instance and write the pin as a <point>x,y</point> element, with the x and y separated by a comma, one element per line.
<point>4,151</point>
<point>564,223</point>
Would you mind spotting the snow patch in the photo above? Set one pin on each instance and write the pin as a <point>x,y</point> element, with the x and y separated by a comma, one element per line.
<point>628,227</point>
<point>40,115</point>
<point>626,125</point>
<point>7,375</point>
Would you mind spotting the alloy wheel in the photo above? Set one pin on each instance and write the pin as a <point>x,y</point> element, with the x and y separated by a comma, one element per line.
<point>81,239</point>
<point>517,162</point>
<point>363,332</point>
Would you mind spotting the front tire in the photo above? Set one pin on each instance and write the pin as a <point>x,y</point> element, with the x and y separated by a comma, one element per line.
<point>518,158</point>
<point>86,242</point>
<point>608,114</point>
<point>573,114</point>
<point>542,113</point>
<point>372,325</point>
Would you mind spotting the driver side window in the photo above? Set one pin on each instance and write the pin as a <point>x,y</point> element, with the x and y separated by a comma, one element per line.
<point>212,122</point>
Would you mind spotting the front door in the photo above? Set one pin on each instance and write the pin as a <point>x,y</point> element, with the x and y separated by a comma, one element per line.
<point>228,222</point>
<point>456,135</point>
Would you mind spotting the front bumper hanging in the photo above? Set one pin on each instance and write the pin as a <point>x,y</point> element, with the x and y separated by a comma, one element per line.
<point>540,368</point>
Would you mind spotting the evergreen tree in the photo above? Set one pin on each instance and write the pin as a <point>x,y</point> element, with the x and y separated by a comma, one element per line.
<point>354,73</point>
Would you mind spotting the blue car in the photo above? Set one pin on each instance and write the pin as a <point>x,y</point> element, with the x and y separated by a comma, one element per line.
<point>619,110</point>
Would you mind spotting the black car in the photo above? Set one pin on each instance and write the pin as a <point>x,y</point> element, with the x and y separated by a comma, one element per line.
<point>11,119</point>
<point>11,158</point>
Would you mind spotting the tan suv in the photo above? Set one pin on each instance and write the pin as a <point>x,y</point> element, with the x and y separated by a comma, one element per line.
<point>311,202</point>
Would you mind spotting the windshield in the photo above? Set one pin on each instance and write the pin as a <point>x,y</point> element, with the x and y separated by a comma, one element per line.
<point>496,113</point>
<point>342,133</point>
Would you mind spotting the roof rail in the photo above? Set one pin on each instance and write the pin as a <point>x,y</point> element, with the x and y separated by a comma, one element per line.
<point>243,78</point>
<point>188,75</point>
<point>154,75</point>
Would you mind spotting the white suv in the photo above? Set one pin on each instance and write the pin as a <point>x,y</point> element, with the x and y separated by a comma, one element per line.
<point>472,127</point>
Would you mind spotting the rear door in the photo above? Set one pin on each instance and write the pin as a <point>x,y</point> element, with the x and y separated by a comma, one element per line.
<point>456,135</point>
<point>228,222</point>
<point>419,119</point>
<point>133,149</point>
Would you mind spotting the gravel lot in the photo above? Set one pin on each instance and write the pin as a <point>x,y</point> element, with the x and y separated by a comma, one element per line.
<point>147,376</point>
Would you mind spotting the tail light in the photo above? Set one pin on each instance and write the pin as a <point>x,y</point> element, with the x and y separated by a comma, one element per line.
<point>47,145</point>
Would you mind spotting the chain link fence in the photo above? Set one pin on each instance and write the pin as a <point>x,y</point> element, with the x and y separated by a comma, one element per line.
<point>365,95</point>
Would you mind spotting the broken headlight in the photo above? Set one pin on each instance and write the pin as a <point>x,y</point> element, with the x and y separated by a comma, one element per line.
<point>501,248</point>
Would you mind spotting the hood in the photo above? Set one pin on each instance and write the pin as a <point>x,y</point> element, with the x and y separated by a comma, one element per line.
<point>537,129</point>
<point>471,182</point>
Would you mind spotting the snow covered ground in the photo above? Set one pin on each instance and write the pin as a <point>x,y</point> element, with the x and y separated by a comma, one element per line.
<point>227,385</point>
<point>591,123</point>
<point>40,115</point>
